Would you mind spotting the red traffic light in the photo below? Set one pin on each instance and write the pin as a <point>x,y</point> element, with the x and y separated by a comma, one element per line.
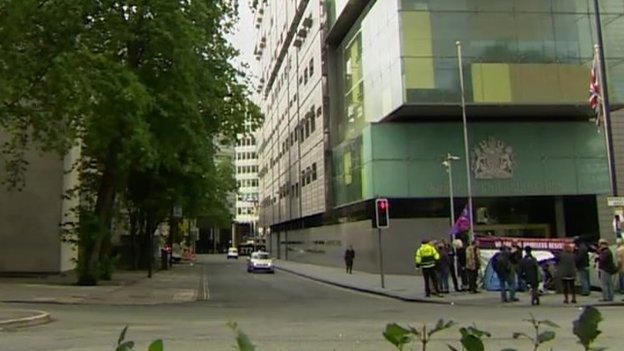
<point>383,205</point>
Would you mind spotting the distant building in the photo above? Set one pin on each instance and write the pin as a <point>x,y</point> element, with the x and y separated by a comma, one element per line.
<point>247,198</point>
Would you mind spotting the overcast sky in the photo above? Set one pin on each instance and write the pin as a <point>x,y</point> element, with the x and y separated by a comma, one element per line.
<point>244,38</point>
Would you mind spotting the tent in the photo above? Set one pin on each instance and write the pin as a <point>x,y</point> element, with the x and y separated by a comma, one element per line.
<point>490,278</point>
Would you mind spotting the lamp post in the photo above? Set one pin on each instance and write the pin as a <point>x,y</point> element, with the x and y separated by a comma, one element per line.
<point>465,127</point>
<point>448,164</point>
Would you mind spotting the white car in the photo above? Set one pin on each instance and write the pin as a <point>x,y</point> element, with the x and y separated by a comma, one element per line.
<point>232,253</point>
<point>260,262</point>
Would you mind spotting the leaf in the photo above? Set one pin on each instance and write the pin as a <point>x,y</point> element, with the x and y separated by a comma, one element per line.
<point>586,326</point>
<point>546,336</point>
<point>397,335</point>
<point>549,323</point>
<point>122,336</point>
<point>126,346</point>
<point>521,335</point>
<point>156,345</point>
<point>472,343</point>
<point>243,342</point>
<point>478,332</point>
<point>441,325</point>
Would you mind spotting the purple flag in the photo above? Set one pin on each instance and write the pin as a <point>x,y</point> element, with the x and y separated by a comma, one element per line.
<point>463,222</point>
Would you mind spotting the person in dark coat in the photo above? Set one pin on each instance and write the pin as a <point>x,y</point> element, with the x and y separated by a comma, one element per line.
<point>349,256</point>
<point>503,269</point>
<point>452,264</point>
<point>607,268</point>
<point>443,266</point>
<point>515,259</point>
<point>529,272</point>
<point>581,258</point>
<point>460,252</point>
<point>566,269</point>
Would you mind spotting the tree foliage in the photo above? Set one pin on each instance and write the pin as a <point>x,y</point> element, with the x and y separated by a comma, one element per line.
<point>143,87</point>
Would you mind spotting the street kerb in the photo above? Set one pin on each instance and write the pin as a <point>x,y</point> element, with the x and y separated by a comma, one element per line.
<point>23,318</point>
<point>379,292</point>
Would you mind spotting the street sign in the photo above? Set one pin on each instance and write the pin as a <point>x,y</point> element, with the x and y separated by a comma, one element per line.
<point>615,201</point>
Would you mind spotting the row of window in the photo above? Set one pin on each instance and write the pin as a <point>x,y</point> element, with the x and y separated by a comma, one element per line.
<point>246,169</point>
<point>251,197</point>
<point>246,155</point>
<point>246,141</point>
<point>245,183</point>
<point>246,211</point>
<point>309,175</point>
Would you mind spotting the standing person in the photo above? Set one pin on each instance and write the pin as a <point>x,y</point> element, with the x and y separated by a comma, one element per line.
<point>349,256</point>
<point>502,267</point>
<point>619,255</point>
<point>567,272</point>
<point>515,259</point>
<point>460,251</point>
<point>452,265</point>
<point>606,269</point>
<point>529,272</point>
<point>443,267</point>
<point>473,264</point>
<point>581,258</point>
<point>426,258</point>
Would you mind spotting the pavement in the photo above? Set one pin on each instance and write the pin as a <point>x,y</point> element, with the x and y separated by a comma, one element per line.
<point>411,288</point>
<point>181,284</point>
<point>284,312</point>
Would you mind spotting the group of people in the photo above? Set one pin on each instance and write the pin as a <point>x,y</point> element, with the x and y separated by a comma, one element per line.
<point>440,261</point>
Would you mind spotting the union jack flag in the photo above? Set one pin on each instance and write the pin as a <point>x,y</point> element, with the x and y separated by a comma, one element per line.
<point>595,99</point>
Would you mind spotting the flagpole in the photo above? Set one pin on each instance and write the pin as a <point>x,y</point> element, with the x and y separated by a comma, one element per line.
<point>465,126</point>
<point>606,110</point>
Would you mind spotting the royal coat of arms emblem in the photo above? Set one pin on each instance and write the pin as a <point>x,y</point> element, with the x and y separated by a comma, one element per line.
<point>493,159</point>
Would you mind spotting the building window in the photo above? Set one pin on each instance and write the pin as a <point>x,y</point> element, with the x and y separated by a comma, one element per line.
<point>311,67</point>
<point>313,171</point>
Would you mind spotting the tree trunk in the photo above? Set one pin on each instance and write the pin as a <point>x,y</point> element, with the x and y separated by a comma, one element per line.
<point>103,210</point>
<point>134,231</point>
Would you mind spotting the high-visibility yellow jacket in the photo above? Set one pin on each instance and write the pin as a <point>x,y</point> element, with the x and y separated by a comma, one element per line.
<point>426,256</point>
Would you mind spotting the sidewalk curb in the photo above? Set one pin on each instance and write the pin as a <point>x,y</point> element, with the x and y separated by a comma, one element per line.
<point>38,317</point>
<point>364,290</point>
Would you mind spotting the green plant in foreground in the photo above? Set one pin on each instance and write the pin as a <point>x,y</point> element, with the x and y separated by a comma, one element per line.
<point>123,345</point>
<point>471,339</point>
<point>540,337</point>
<point>242,340</point>
<point>401,337</point>
<point>586,328</point>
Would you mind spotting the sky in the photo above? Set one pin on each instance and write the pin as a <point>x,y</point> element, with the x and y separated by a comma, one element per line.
<point>243,40</point>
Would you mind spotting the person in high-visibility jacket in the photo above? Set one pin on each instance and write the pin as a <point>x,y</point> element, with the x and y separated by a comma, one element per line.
<point>426,258</point>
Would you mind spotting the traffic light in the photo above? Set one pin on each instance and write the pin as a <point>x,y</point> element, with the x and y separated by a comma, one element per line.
<point>382,213</point>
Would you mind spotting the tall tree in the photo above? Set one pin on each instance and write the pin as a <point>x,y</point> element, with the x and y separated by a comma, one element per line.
<point>143,86</point>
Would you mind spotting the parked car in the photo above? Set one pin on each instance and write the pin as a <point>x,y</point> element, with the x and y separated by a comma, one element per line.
<point>232,253</point>
<point>260,261</point>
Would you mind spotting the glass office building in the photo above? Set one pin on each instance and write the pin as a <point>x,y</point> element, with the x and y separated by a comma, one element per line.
<point>396,105</point>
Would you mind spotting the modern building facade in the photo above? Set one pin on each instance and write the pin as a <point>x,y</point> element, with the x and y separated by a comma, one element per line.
<point>291,148</point>
<point>247,198</point>
<point>538,166</point>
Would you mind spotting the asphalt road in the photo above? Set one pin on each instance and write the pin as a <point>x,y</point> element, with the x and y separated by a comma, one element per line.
<point>282,312</point>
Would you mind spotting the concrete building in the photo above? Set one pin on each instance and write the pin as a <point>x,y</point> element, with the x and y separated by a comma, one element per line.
<point>31,218</point>
<point>247,198</point>
<point>386,110</point>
